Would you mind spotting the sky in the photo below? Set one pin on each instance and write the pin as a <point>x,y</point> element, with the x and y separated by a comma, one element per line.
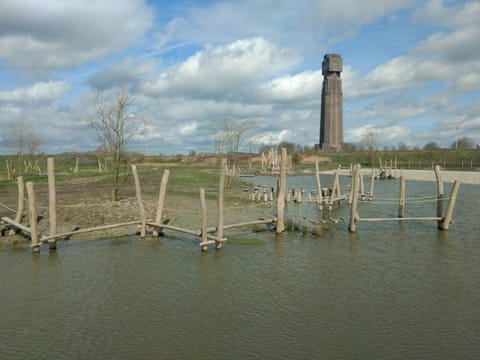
<point>411,69</point>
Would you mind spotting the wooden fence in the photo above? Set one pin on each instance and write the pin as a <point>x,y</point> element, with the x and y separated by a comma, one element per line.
<point>326,196</point>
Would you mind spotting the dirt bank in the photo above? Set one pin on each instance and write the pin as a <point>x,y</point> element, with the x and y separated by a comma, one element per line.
<point>85,203</point>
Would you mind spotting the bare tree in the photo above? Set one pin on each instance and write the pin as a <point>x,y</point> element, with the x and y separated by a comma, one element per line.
<point>228,136</point>
<point>462,143</point>
<point>369,138</point>
<point>117,121</point>
<point>23,141</point>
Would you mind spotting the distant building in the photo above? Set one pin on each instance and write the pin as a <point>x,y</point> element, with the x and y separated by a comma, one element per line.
<point>331,114</point>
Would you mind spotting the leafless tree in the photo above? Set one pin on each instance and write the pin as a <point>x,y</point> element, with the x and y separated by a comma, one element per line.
<point>23,141</point>
<point>117,121</point>
<point>228,136</point>
<point>369,138</point>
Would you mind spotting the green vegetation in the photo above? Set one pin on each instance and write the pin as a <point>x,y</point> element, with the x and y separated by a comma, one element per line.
<point>189,173</point>
<point>450,159</point>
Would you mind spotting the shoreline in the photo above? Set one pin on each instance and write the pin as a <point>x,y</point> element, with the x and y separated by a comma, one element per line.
<point>465,177</point>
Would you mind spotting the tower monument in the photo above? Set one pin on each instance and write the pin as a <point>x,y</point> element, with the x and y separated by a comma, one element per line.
<point>331,114</point>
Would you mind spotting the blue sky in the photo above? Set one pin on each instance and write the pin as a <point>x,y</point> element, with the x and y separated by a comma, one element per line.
<point>411,69</point>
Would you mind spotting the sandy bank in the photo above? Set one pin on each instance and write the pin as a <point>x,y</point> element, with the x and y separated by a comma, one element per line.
<point>466,177</point>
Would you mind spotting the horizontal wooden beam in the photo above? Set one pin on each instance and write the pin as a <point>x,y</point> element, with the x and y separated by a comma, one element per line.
<point>16,224</point>
<point>432,218</point>
<point>83,231</point>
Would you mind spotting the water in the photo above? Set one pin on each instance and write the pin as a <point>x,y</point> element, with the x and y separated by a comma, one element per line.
<point>391,290</point>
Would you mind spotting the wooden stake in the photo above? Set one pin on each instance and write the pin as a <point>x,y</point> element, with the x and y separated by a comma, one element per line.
<point>32,212</point>
<point>281,192</point>
<point>372,181</point>
<point>221,191</point>
<point>451,204</point>
<point>8,170</point>
<point>203,206</point>
<point>138,192</point>
<point>401,204</point>
<point>439,194</point>
<point>335,184</point>
<point>353,209</point>
<point>52,200</point>
<point>319,187</point>
<point>21,201</point>
<point>161,201</point>
<point>362,186</point>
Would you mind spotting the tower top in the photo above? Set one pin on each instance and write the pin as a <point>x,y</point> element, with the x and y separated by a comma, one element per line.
<point>332,63</point>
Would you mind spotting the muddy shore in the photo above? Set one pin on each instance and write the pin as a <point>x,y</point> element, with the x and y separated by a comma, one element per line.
<point>85,202</point>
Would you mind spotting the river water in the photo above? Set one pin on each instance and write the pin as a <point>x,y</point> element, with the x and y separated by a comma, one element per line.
<point>389,291</point>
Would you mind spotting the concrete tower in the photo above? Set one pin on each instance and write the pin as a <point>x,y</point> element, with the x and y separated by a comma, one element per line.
<point>331,115</point>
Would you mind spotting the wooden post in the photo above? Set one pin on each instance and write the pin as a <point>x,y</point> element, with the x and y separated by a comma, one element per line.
<point>362,186</point>
<point>319,187</point>
<point>221,191</point>
<point>439,195</point>
<point>138,192</point>
<point>451,204</point>
<point>335,185</point>
<point>52,201</point>
<point>281,193</point>
<point>401,204</point>
<point>8,170</point>
<point>203,206</point>
<point>350,195</point>
<point>372,181</point>
<point>32,212</point>
<point>21,199</point>
<point>161,200</point>
<point>353,209</point>
<point>75,171</point>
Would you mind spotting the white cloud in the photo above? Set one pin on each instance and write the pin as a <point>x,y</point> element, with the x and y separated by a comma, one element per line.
<point>127,71</point>
<point>469,81</point>
<point>271,137</point>
<point>303,23</point>
<point>384,135</point>
<point>459,42</point>
<point>223,70</point>
<point>401,73</point>
<point>55,34</point>
<point>304,86</point>
<point>39,92</point>
<point>187,129</point>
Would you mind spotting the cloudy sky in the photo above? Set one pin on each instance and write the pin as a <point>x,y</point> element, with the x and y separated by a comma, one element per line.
<point>411,68</point>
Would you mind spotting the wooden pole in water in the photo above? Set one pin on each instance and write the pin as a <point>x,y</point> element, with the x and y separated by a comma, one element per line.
<point>353,209</point>
<point>161,201</point>
<point>281,193</point>
<point>372,182</point>
<point>52,201</point>
<point>335,184</point>
<point>451,204</point>
<point>221,191</point>
<point>138,192</point>
<point>439,195</point>
<point>362,186</point>
<point>401,204</point>
<point>319,186</point>
<point>32,212</point>
<point>203,206</point>
<point>21,199</point>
